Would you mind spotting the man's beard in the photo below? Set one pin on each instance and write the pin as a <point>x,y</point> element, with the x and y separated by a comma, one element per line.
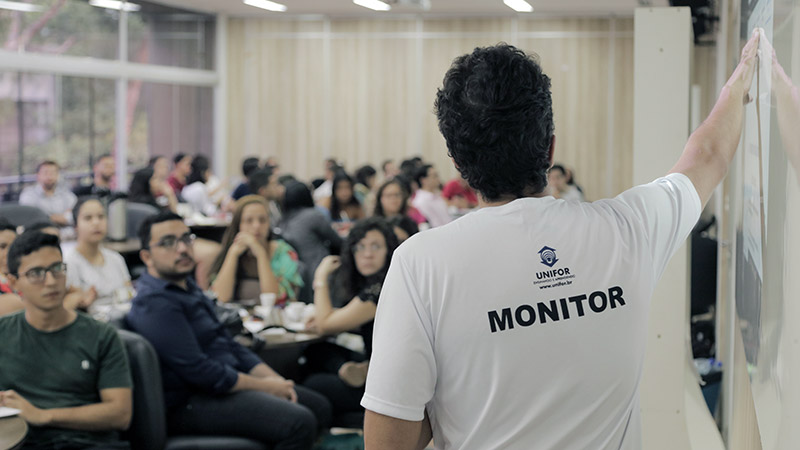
<point>174,276</point>
<point>106,178</point>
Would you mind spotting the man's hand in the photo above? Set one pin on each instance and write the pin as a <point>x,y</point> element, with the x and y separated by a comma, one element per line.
<point>88,298</point>
<point>30,413</point>
<point>742,76</point>
<point>279,387</point>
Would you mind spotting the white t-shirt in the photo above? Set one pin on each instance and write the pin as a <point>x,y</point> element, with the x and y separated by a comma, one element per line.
<point>524,325</point>
<point>106,279</point>
<point>196,194</point>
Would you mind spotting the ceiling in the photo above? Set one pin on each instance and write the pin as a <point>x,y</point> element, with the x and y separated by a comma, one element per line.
<point>346,8</point>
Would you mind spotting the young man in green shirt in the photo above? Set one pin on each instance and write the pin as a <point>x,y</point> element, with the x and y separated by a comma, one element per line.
<point>66,373</point>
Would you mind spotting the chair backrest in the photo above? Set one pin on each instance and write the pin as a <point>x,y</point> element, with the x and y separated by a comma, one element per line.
<point>148,428</point>
<point>137,212</point>
<point>22,215</point>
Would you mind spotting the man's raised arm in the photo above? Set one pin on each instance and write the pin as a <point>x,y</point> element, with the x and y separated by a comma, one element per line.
<point>711,147</point>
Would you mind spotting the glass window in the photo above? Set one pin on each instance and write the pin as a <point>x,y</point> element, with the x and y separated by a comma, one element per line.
<point>169,119</point>
<point>60,27</point>
<point>168,36</point>
<point>66,119</point>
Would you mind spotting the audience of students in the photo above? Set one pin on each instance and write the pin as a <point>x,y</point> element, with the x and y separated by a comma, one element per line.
<point>66,373</point>
<point>102,178</point>
<point>101,274</point>
<point>307,229</point>
<point>212,384</point>
<point>49,195</point>
<point>358,276</point>
<point>9,299</point>
<point>252,261</point>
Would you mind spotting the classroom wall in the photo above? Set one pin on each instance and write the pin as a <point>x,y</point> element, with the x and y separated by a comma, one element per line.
<point>363,90</point>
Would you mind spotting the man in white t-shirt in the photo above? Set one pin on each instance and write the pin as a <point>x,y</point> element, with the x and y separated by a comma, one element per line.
<point>523,324</point>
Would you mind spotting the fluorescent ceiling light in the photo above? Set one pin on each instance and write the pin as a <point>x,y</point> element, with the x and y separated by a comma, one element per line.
<point>266,4</point>
<point>519,5</point>
<point>116,4</point>
<point>17,6</point>
<point>377,5</point>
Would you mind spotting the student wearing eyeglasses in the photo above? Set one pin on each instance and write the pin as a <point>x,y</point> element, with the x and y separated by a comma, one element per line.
<point>81,392</point>
<point>353,280</point>
<point>212,384</point>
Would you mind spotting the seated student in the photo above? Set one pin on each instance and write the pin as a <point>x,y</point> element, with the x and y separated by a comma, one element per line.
<point>9,299</point>
<point>148,188</point>
<point>212,384</point>
<point>428,199</point>
<point>102,176</point>
<point>307,229</point>
<point>182,169</point>
<point>160,166</point>
<point>196,192</point>
<point>252,261</point>
<point>459,195</point>
<point>67,373</point>
<point>100,273</point>
<point>392,200</point>
<point>249,165</point>
<point>365,185</point>
<point>358,277</point>
<point>342,204</point>
<point>49,195</point>
<point>264,182</point>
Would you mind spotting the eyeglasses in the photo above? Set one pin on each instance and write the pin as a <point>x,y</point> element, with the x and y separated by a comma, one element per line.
<point>361,248</point>
<point>37,275</point>
<point>171,242</point>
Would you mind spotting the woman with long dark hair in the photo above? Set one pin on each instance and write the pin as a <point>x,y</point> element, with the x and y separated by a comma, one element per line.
<point>147,187</point>
<point>253,261</point>
<point>357,277</point>
<point>306,228</point>
<point>196,192</point>
<point>343,204</point>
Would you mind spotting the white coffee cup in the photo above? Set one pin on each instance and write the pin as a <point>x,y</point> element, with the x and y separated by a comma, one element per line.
<point>268,299</point>
<point>294,311</point>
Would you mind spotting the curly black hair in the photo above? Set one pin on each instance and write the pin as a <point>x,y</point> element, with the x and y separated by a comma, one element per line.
<point>496,115</point>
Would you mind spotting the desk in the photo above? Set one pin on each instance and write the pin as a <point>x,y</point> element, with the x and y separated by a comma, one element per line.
<point>211,229</point>
<point>283,351</point>
<point>12,432</point>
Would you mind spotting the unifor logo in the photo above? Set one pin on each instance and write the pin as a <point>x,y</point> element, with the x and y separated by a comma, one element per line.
<point>548,256</point>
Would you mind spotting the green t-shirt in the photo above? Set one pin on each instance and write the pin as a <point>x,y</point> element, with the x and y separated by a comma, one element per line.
<point>62,369</point>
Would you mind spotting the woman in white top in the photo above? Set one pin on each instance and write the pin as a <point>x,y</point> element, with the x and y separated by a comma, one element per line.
<point>197,192</point>
<point>99,272</point>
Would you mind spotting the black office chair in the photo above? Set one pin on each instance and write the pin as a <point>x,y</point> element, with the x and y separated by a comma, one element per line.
<point>148,430</point>
<point>22,215</point>
<point>137,212</point>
